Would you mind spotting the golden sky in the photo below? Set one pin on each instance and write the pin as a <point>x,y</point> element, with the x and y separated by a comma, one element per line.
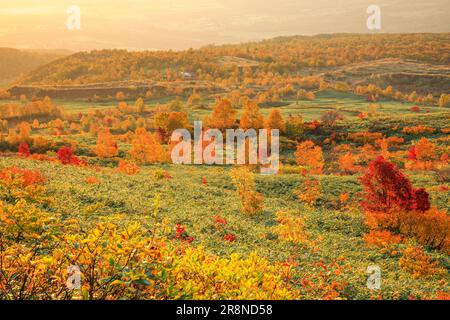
<point>179,24</point>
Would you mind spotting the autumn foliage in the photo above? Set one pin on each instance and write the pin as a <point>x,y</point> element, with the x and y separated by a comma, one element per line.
<point>24,150</point>
<point>291,227</point>
<point>252,201</point>
<point>275,121</point>
<point>127,167</point>
<point>146,148</point>
<point>251,117</point>
<point>106,145</point>
<point>309,191</point>
<point>66,156</point>
<point>419,264</point>
<point>223,116</point>
<point>422,156</point>
<point>347,163</point>
<point>23,176</point>
<point>387,189</point>
<point>310,157</point>
<point>382,238</point>
<point>392,203</point>
<point>350,191</point>
<point>118,261</point>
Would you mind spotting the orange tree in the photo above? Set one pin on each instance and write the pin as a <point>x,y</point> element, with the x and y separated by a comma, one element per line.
<point>106,145</point>
<point>251,116</point>
<point>223,116</point>
<point>275,121</point>
<point>145,147</point>
<point>310,157</point>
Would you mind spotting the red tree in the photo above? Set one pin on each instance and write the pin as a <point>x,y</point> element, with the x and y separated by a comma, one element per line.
<point>421,200</point>
<point>24,150</point>
<point>66,156</point>
<point>412,153</point>
<point>387,188</point>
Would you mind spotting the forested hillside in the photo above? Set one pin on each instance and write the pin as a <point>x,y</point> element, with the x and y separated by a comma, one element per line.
<point>284,55</point>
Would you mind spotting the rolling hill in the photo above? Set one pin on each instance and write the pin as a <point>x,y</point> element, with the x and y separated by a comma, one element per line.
<point>400,60</point>
<point>404,75</point>
<point>15,62</point>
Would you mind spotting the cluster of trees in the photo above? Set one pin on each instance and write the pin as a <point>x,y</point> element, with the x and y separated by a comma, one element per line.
<point>149,136</point>
<point>352,158</point>
<point>147,130</point>
<point>44,108</point>
<point>224,116</point>
<point>392,203</point>
<point>374,93</point>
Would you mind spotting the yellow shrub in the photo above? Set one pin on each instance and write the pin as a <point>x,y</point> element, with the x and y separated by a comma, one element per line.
<point>309,191</point>
<point>252,201</point>
<point>419,264</point>
<point>202,276</point>
<point>126,167</point>
<point>116,262</point>
<point>430,228</point>
<point>290,227</point>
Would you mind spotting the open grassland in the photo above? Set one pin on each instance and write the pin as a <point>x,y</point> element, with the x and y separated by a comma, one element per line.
<point>334,230</point>
<point>337,233</point>
<point>348,104</point>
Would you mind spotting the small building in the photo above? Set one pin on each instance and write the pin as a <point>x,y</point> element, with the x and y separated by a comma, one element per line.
<point>187,75</point>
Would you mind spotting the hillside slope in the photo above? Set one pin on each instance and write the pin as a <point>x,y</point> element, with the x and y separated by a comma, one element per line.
<point>284,55</point>
<point>14,62</point>
<point>404,75</point>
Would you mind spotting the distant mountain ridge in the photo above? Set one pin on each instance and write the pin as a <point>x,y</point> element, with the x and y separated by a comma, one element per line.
<point>14,62</point>
<point>283,55</point>
<point>408,62</point>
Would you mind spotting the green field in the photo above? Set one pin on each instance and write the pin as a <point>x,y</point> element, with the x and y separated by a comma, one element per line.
<point>185,200</point>
<point>348,104</point>
<point>195,194</point>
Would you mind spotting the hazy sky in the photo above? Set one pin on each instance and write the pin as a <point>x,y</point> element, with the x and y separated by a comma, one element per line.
<point>179,24</point>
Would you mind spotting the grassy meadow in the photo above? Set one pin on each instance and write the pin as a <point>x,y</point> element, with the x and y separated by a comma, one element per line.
<point>195,194</point>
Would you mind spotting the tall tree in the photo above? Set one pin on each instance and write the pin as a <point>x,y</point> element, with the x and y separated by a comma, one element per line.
<point>223,116</point>
<point>275,120</point>
<point>251,117</point>
<point>106,145</point>
<point>310,157</point>
<point>146,148</point>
